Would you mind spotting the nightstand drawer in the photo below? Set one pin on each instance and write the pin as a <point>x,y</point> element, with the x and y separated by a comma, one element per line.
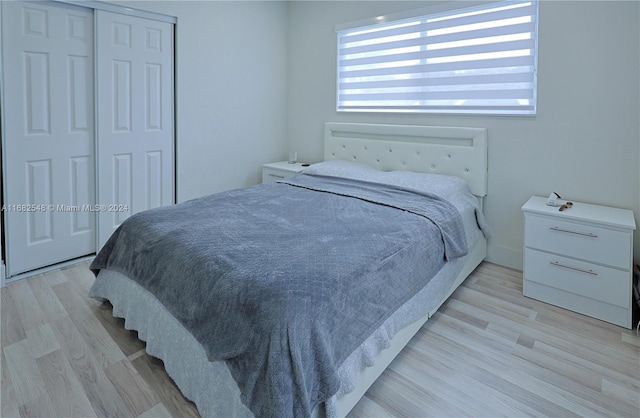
<point>272,174</point>
<point>587,242</point>
<point>585,279</point>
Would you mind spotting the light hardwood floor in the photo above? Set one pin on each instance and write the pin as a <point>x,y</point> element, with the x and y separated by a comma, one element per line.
<point>489,351</point>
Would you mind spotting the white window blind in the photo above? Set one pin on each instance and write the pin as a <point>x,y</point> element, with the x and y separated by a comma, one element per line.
<point>475,60</point>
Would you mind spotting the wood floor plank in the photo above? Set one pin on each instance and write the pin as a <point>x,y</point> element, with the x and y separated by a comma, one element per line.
<point>133,389</point>
<point>407,400</point>
<point>491,369</point>
<point>104,349</point>
<point>26,304</point>
<point>632,382</point>
<point>42,340</point>
<point>8,403</point>
<point>11,330</point>
<point>67,395</point>
<point>489,351</point>
<point>465,384</point>
<point>596,351</point>
<point>565,369</point>
<point>620,392</point>
<point>559,377</point>
<point>504,333</point>
<point>104,398</point>
<point>488,340</point>
<point>55,277</point>
<point>578,394</point>
<point>631,339</point>
<point>47,299</point>
<point>152,370</point>
<point>568,325</point>
<point>465,317</point>
<point>492,279</point>
<point>37,408</point>
<point>446,382</point>
<point>367,408</point>
<point>82,278</point>
<point>24,373</point>
<point>158,411</point>
<point>69,296</point>
<point>511,307</point>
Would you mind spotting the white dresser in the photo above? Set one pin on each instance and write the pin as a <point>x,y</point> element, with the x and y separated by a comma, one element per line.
<point>280,170</point>
<point>580,258</point>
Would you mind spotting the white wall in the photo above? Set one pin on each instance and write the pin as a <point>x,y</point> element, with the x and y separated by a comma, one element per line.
<point>231,81</point>
<point>584,142</point>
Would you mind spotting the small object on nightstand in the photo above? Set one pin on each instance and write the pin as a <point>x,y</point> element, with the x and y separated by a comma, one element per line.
<point>580,259</point>
<point>565,206</point>
<point>553,199</point>
<point>293,157</point>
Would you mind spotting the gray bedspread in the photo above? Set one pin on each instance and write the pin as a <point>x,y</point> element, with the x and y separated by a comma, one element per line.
<point>284,280</point>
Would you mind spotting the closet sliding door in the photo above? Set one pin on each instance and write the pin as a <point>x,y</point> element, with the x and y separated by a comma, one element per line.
<point>49,133</point>
<point>135,141</point>
<point>88,135</point>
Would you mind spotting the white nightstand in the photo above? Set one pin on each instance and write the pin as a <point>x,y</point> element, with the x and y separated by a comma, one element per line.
<point>580,258</point>
<point>280,170</point>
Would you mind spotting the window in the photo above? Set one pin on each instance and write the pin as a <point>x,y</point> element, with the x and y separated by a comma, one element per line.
<point>476,60</point>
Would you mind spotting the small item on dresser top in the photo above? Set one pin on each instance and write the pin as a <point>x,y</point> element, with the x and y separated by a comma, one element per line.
<point>566,206</point>
<point>553,199</point>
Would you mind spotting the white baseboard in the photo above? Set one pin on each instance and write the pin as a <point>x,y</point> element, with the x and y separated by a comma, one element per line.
<point>505,256</point>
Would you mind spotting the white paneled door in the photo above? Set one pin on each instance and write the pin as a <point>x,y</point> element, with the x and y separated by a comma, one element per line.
<point>49,133</point>
<point>134,63</point>
<point>88,135</point>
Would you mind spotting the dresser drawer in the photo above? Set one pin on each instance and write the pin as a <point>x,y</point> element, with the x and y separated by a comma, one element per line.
<point>585,279</point>
<point>573,239</point>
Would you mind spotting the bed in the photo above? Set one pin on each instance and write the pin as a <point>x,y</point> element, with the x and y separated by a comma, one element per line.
<point>274,351</point>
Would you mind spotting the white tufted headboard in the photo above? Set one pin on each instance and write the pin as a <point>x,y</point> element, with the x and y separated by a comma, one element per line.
<point>460,152</point>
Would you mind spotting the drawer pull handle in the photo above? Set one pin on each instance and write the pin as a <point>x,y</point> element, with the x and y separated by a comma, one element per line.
<point>276,176</point>
<point>555,263</point>
<point>586,234</point>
